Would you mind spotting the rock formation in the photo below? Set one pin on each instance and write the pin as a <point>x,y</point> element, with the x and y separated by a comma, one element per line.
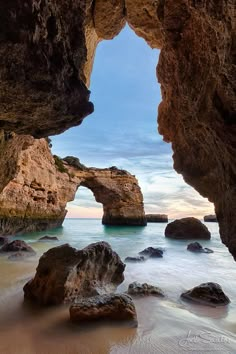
<point>118,307</point>
<point>210,294</point>
<point>46,56</point>
<point>157,217</point>
<point>65,274</point>
<point>35,188</point>
<point>197,248</point>
<point>137,289</point>
<point>152,252</point>
<point>187,228</point>
<point>210,218</point>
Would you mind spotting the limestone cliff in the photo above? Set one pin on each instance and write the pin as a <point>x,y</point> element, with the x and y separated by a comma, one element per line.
<point>46,55</point>
<point>38,186</point>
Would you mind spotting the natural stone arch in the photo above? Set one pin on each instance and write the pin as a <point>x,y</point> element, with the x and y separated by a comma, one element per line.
<point>46,56</point>
<point>38,187</point>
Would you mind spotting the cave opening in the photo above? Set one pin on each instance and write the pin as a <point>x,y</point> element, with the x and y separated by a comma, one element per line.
<point>122,131</point>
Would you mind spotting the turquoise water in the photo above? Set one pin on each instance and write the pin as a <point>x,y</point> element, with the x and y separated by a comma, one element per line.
<point>167,325</point>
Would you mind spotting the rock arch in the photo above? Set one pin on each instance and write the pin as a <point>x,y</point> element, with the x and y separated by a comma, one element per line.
<point>38,186</point>
<point>46,55</point>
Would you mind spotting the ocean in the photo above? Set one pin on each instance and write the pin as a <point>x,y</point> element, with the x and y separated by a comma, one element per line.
<point>169,325</point>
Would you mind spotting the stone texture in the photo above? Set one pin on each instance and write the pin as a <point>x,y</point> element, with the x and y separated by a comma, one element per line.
<point>157,217</point>
<point>197,248</point>
<point>17,246</point>
<point>109,18</point>
<point>187,228</point>
<point>118,307</point>
<point>35,188</point>
<point>42,58</point>
<point>152,252</point>
<point>210,218</point>
<point>144,289</point>
<point>65,274</point>
<point>47,51</point>
<point>210,294</point>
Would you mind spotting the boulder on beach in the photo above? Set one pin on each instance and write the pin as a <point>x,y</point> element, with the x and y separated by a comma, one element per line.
<point>207,294</point>
<point>157,217</point>
<point>152,252</point>
<point>135,259</point>
<point>197,247</point>
<point>210,218</point>
<point>17,246</point>
<point>187,228</point>
<point>65,274</point>
<point>144,289</point>
<point>115,307</point>
<point>48,238</point>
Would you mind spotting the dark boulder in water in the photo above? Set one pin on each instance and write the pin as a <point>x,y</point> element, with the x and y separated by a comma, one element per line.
<point>144,289</point>
<point>157,217</point>
<point>65,274</point>
<point>207,294</point>
<point>152,252</point>
<point>17,246</point>
<point>197,247</point>
<point>187,228</point>
<point>135,259</point>
<point>48,238</point>
<point>115,307</point>
<point>210,218</point>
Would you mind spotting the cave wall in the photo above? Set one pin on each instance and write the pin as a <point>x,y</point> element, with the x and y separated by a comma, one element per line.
<point>46,55</point>
<point>38,187</point>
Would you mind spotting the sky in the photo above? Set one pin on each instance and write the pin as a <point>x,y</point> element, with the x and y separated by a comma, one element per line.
<point>122,132</point>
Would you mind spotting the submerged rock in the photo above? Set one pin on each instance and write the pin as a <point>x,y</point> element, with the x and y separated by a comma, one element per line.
<point>118,307</point>
<point>65,274</point>
<point>197,247</point>
<point>207,294</point>
<point>17,246</point>
<point>157,217</point>
<point>152,252</point>
<point>187,228</point>
<point>144,289</point>
<point>135,259</point>
<point>210,218</point>
<point>48,238</point>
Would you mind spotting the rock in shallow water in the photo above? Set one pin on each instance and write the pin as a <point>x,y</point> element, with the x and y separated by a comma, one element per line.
<point>144,289</point>
<point>152,252</point>
<point>17,246</point>
<point>48,238</point>
<point>197,248</point>
<point>118,307</point>
<point>137,259</point>
<point>207,294</point>
<point>187,228</point>
<point>65,274</point>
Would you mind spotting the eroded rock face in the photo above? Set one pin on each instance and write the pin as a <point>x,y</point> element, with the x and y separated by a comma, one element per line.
<point>65,274</point>
<point>35,188</point>
<point>187,228</point>
<point>210,294</point>
<point>47,51</point>
<point>115,307</point>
